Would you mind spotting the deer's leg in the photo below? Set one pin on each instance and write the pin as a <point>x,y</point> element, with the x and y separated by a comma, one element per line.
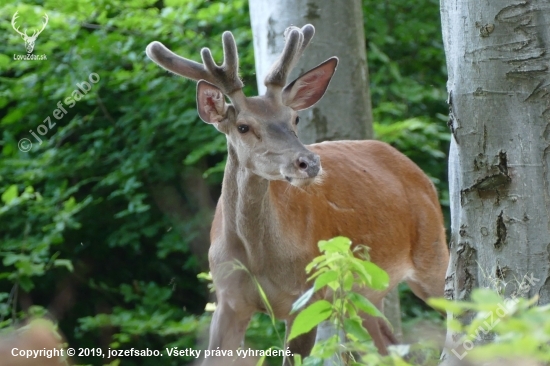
<point>227,331</point>
<point>379,330</point>
<point>428,279</point>
<point>385,328</point>
<point>425,287</point>
<point>300,345</point>
<point>430,266</point>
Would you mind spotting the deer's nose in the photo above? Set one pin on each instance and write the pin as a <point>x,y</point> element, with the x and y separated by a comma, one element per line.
<point>309,164</point>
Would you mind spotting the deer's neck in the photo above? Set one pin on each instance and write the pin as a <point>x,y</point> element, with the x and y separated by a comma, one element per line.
<point>247,207</point>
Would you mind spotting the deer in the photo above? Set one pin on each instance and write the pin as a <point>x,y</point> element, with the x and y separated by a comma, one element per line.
<point>29,40</point>
<point>279,197</point>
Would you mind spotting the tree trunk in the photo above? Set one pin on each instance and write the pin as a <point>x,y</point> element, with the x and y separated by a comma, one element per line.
<point>345,112</point>
<point>499,177</point>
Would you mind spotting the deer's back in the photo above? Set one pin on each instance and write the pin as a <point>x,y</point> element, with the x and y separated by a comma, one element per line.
<point>369,192</point>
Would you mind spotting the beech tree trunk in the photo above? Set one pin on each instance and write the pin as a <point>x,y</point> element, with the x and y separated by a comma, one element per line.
<point>498,58</point>
<point>345,112</point>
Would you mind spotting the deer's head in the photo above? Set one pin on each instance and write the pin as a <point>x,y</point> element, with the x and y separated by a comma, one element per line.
<point>261,130</point>
<point>29,40</point>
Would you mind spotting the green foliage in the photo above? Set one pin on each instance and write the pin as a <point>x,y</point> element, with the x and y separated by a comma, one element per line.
<point>103,221</point>
<point>516,329</point>
<point>264,333</point>
<point>493,327</point>
<point>342,272</point>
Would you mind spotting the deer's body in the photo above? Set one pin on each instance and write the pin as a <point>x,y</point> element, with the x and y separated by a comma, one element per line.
<point>369,192</point>
<point>279,198</point>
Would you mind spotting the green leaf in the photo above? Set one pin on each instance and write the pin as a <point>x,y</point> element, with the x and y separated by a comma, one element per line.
<point>218,144</point>
<point>11,258</point>
<point>13,116</point>
<point>354,327</point>
<point>364,304</point>
<point>364,276</point>
<point>9,194</point>
<point>379,278</point>
<point>335,245</point>
<point>444,304</point>
<point>454,324</point>
<point>486,296</point>
<point>325,278</point>
<point>64,263</point>
<point>4,61</point>
<point>350,309</point>
<point>26,283</point>
<point>265,300</point>
<point>314,263</point>
<point>310,317</point>
<point>348,281</point>
<point>69,204</point>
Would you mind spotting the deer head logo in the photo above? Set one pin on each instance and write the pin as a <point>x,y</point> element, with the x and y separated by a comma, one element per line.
<point>29,40</point>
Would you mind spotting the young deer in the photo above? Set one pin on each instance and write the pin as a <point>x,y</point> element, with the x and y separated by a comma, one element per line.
<point>279,197</point>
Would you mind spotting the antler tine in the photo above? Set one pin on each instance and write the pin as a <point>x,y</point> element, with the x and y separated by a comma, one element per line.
<point>296,42</point>
<point>13,19</point>
<point>231,56</point>
<point>226,76</point>
<point>308,31</point>
<point>168,60</point>
<point>44,25</point>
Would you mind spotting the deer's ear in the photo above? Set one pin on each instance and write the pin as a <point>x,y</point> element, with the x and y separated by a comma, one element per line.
<point>210,103</point>
<point>309,88</point>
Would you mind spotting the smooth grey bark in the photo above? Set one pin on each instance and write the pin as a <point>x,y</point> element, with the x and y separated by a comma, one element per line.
<point>345,112</point>
<point>498,58</point>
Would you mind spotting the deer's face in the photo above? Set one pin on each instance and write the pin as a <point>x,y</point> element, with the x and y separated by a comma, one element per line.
<point>264,136</point>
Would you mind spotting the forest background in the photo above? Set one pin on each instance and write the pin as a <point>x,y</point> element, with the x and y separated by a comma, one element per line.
<point>104,223</point>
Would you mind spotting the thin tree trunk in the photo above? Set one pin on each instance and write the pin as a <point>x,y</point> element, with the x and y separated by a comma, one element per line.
<point>499,179</point>
<point>344,113</point>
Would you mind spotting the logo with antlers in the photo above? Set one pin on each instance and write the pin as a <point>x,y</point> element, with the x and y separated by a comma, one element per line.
<point>29,40</point>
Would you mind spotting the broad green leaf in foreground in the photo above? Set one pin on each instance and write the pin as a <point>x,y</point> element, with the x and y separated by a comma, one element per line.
<point>310,317</point>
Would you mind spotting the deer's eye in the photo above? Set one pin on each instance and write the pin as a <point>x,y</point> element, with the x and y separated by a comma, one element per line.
<point>297,120</point>
<point>243,128</point>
